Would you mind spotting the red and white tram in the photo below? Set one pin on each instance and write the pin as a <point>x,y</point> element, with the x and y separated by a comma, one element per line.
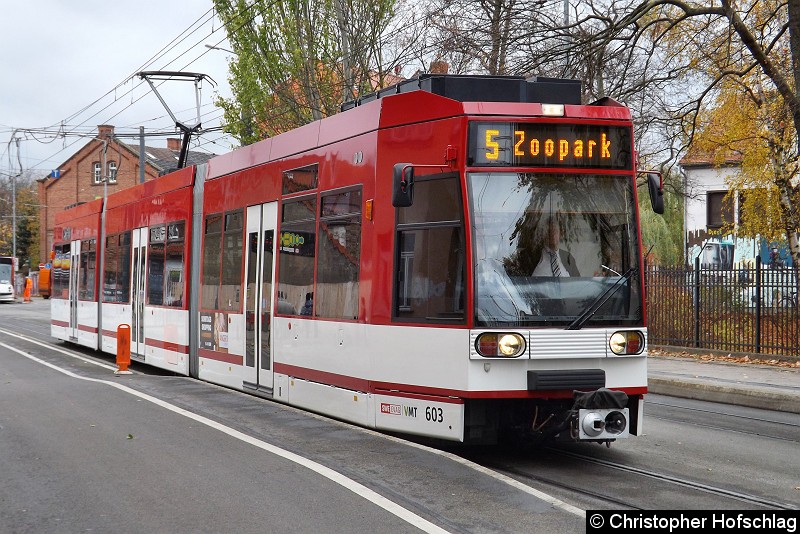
<point>393,265</point>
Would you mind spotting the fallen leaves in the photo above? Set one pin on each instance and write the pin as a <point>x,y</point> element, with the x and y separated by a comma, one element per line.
<point>730,358</point>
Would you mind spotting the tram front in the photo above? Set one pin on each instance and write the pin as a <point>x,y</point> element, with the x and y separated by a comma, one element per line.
<point>557,280</point>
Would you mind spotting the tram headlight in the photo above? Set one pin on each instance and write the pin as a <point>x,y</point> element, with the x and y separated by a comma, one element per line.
<point>626,342</point>
<point>493,345</point>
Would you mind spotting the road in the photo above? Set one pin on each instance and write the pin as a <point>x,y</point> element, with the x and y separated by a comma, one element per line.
<point>83,450</point>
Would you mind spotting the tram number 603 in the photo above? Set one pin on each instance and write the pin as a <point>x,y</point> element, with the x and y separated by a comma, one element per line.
<point>434,414</point>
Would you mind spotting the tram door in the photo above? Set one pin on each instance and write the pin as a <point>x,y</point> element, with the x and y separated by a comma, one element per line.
<point>261,242</point>
<point>74,266</point>
<point>138,278</point>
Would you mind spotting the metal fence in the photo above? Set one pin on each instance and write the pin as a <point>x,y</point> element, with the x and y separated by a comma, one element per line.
<point>737,310</point>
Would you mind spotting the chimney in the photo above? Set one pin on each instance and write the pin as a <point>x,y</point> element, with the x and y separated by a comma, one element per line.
<point>105,131</point>
<point>174,144</point>
<point>439,67</point>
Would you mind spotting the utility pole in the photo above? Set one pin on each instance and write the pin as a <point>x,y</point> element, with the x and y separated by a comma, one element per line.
<point>141,155</point>
<point>14,209</point>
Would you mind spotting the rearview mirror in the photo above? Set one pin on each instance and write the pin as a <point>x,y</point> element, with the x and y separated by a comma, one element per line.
<point>656,192</point>
<point>403,185</point>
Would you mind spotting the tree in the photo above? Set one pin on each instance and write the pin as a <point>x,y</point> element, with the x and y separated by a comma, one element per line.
<point>480,35</point>
<point>663,235</point>
<point>27,207</point>
<point>717,46</point>
<point>298,60</point>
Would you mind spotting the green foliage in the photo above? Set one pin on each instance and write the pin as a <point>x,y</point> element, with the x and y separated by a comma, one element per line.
<point>27,223</point>
<point>298,60</point>
<point>663,232</point>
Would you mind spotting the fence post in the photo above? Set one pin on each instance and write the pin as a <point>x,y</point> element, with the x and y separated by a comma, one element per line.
<point>758,303</point>
<point>697,302</point>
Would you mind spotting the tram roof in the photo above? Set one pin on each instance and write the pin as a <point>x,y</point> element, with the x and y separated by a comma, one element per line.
<point>427,98</point>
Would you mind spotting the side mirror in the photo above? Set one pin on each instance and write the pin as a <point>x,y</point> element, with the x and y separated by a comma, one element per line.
<point>403,185</point>
<point>656,192</point>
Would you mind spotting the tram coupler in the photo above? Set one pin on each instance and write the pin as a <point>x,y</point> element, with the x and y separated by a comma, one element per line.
<point>600,415</point>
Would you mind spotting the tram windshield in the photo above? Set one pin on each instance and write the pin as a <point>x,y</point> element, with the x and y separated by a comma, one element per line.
<point>555,250</point>
<point>5,273</point>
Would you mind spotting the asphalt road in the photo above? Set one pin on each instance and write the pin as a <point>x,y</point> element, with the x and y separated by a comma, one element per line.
<point>84,450</point>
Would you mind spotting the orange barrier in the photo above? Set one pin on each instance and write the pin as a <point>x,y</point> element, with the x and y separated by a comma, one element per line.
<point>28,288</point>
<point>123,349</point>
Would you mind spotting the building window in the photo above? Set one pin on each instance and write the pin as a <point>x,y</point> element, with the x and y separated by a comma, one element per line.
<point>112,172</point>
<point>719,209</point>
<point>97,173</point>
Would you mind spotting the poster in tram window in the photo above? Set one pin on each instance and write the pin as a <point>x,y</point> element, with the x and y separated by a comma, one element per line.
<point>214,331</point>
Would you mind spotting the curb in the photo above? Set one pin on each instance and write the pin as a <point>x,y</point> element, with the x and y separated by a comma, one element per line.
<point>753,397</point>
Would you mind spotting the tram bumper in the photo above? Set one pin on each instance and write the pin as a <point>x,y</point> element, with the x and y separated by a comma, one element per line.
<point>600,415</point>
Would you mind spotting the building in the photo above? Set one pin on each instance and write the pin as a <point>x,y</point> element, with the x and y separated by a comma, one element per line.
<point>81,178</point>
<point>707,209</point>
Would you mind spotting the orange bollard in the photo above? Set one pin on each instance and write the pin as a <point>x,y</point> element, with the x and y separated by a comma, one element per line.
<point>28,288</point>
<point>123,349</point>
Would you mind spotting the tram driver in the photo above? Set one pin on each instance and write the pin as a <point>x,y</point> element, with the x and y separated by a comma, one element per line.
<point>554,260</point>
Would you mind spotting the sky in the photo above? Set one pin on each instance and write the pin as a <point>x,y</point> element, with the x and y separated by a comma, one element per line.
<point>68,66</point>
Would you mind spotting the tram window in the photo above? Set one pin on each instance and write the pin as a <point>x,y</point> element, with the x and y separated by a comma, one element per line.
<point>110,269</point>
<point>124,268</point>
<point>430,254</point>
<point>116,274</point>
<point>86,282</point>
<point>155,265</point>
<point>339,255</point>
<point>232,254</point>
<point>212,249</point>
<point>297,249</point>
<point>173,265</point>
<point>302,179</point>
<point>61,272</point>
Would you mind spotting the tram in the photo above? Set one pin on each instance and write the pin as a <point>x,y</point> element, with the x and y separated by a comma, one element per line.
<point>7,285</point>
<point>457,257</point>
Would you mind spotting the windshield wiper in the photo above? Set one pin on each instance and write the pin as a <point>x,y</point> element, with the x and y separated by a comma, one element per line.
<point>592,308</point>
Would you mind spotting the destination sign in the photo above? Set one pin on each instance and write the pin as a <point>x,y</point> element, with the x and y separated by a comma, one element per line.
<point>513,144</point>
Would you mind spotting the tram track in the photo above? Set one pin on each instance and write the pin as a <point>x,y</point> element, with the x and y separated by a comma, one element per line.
<point>738,423</point>
<point>525,475</point>
<point>746,498</point>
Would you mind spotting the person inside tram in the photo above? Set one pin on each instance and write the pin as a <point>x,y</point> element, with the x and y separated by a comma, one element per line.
<point>555,261</point>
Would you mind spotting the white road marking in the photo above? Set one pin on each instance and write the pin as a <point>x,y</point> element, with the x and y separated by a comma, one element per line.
<point>555,502</point>
<point>334,476</point>
<point>62,351</point>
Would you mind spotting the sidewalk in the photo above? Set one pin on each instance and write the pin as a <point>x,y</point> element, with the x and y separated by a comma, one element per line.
<point>701,376</point>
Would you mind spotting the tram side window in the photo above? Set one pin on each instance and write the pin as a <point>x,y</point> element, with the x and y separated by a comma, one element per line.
<point>302,179</point>
<point>165,265</point>
<point>336,293</point>
<point>117,271</point>
<point>429,279</point>
<point>124,268</point>
<point>86,282</point>
<point>110,269</point>
<point>155,265</point>
<point>232,255</point>
<point>212,250</point>
<point>173,264</point>
<point>60,272</point>
<point>296,256</point>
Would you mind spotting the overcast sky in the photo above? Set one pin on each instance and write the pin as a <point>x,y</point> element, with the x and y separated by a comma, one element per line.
<point>74,62</point>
